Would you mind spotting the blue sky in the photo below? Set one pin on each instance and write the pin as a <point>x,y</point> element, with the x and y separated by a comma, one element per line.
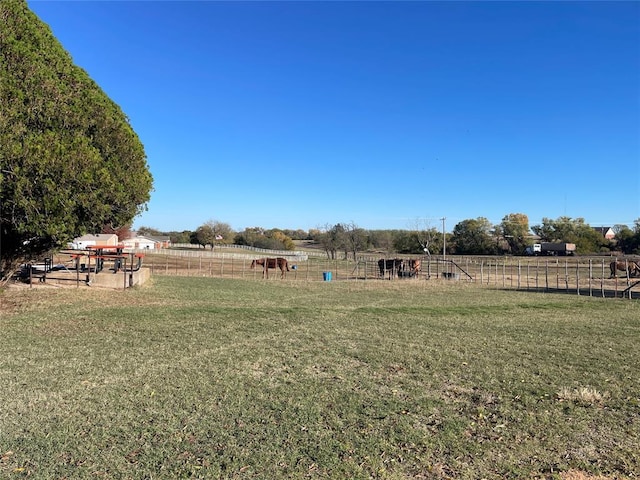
<point>382,114</point>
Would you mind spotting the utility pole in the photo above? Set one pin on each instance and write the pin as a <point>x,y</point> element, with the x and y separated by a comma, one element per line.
<point>444,240</point>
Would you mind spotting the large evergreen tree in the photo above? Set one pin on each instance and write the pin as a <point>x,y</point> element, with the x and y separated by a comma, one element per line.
<point>70,163</point>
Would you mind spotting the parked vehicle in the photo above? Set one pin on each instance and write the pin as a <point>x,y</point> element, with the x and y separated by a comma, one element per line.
<point>551,248</point>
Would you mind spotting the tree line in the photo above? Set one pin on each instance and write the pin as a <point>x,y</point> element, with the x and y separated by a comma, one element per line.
<point>469,237</point>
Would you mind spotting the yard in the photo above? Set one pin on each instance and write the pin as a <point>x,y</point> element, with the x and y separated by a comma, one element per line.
<point>192,377</point>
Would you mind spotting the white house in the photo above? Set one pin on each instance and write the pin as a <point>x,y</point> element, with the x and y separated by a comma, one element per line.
<point>606,232</point>
<point>90,240</point>
<point>140,242</point>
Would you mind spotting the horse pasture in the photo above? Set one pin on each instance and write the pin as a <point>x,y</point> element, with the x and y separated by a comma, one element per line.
<point>201,377</point>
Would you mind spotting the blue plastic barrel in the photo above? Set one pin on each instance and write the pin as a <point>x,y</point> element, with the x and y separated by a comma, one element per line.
<point>326,276</point>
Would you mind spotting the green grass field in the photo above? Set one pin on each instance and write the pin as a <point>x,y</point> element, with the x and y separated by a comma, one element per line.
<point>218,378</point>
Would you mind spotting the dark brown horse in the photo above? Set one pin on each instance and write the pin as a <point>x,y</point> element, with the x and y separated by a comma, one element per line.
<point>392,266</point>
<point>268,263</point>
<point>630,267</point>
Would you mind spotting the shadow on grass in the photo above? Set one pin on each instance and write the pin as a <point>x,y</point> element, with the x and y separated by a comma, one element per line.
<point>632,293</point>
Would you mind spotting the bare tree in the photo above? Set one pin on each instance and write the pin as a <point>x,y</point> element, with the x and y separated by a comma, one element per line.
<point>355,239</point>
<point>332,240</point>
<point>425,234</point>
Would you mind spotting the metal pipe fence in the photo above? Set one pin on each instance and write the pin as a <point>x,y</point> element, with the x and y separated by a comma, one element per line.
<point>575,275</point>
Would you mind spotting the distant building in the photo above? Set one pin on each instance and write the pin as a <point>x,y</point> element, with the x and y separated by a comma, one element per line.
<point>161,241</point>
<point>90,240</point>
<point>139,242</point>
<point>606,232</point>
<point>147,242</point>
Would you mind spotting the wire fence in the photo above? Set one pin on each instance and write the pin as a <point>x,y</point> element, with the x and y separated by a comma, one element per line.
<point>576,275</point>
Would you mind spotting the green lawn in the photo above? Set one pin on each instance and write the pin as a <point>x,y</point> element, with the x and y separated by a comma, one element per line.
<point>217,378</point>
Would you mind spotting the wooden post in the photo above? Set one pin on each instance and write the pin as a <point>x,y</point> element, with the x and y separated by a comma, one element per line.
<point>546,275</point>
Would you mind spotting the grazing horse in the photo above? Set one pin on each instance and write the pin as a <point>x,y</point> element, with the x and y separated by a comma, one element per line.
<point>392,266</point>
<point>268,263</point>
<point>410,268</point>
<point>630,267</point>
<point>415,266</point>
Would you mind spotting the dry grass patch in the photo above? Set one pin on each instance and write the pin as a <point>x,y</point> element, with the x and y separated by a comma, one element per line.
<point>577,475</point>
<point>584,396</point>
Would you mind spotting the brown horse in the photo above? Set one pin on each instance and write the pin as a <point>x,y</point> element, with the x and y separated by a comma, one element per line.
<point>630,267</point>
<point>415,266</point>
<point>410,268</point>
<point>268,263</point>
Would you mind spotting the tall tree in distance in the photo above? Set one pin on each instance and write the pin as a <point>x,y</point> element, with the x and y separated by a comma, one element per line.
<point>205,235</point>
<point>70,163</point>
<point>473,237</point>
<point>222,232</point>
<point>515,229</point>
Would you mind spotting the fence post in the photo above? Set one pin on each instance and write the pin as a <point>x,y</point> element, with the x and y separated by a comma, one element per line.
<point>546,275</point>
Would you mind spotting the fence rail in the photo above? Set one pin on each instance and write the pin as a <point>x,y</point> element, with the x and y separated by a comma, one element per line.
<point>272,253</point>
<point>580,276</point>
<point>292,256</point>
